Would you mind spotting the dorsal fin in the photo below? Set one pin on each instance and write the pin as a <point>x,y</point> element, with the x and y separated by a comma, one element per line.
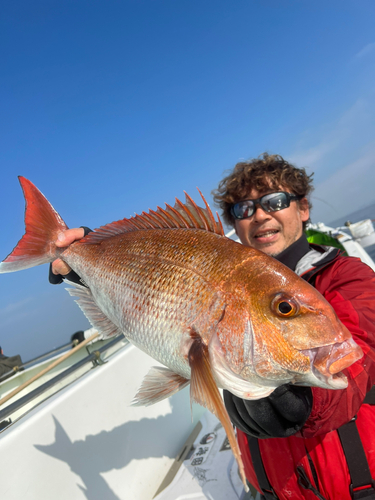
<point>182,215</point>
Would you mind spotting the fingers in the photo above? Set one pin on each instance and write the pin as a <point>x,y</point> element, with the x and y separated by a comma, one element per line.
<point>60,267</point>
<point>67,237</point>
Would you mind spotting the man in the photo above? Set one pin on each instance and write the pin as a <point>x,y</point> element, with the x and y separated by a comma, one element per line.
<point>299,454</point>
<point>289,442</point>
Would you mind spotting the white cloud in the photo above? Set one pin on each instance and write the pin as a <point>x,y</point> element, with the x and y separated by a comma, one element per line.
<point>342,155</point>
<point>313,155</point>
<point>334,136</point>
<point>347,190</point>
<point>14,307</point>
<point>367,49</point>
<point>19,310</point>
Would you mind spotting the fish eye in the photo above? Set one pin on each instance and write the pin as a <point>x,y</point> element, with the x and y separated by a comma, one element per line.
<point>284,306</point>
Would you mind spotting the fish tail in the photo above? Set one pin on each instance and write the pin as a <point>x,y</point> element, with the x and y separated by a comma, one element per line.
<point>42,227</point>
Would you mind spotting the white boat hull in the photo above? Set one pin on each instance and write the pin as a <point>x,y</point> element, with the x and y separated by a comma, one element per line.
<point>86,442</point>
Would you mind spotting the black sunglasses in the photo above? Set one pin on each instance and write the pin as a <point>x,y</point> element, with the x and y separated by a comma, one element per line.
<point>269,202</point>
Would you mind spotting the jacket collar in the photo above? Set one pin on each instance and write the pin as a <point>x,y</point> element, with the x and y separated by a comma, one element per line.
<point>302,257</point>
<point>318,257</point>
<point>294,253</point>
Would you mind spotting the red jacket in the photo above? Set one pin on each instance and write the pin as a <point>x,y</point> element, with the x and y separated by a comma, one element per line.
<point>349,286</point>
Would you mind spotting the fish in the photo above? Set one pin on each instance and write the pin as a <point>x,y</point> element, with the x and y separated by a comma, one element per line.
<point>215,313</point>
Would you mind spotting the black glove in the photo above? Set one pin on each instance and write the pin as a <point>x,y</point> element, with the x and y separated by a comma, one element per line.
<point>56,279</point>
<point>281,414</point>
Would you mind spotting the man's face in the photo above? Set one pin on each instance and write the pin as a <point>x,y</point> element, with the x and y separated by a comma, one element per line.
<point>272,232</point>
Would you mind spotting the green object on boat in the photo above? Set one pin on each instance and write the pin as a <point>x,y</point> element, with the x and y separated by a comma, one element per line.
<point>319,238</point>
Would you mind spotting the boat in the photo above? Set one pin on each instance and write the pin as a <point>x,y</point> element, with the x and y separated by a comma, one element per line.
<point>72,434</point>
<point>352,239</point>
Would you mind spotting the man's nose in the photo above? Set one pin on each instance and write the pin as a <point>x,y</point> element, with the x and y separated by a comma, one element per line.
<point>260,214</point>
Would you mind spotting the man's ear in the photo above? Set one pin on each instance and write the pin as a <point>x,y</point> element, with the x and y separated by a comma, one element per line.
<point>303,206</point>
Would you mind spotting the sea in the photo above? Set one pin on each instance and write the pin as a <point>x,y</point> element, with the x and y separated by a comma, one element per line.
<point>361,214</point>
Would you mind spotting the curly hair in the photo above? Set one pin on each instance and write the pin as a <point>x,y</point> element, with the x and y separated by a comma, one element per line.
<point>262,173</point>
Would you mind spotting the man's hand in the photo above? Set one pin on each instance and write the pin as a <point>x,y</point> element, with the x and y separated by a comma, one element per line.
<point>65,239</point>
<point>281,414</point>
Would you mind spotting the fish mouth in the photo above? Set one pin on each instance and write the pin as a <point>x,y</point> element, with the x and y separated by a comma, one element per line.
<point>327,362</point>
<point>336,381</point>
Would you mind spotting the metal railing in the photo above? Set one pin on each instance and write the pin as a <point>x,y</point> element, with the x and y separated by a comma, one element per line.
<point>34,361</point>
<point>94,356</point>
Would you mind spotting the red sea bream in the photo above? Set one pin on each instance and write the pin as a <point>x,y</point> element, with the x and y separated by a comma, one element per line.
<point>214,312</point>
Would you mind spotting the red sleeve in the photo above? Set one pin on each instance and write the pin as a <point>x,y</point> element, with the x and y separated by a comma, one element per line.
<point>349,286</point>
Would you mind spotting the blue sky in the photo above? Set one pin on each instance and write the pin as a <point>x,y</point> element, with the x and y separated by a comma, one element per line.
<point>113,107</point>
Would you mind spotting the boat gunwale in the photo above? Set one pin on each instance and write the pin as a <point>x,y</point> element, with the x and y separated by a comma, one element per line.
<point>94,356</point>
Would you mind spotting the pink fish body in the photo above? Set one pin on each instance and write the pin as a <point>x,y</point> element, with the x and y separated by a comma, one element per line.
<point>216,313</point>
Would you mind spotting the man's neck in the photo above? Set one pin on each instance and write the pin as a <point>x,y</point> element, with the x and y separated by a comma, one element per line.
<point>291,255</point>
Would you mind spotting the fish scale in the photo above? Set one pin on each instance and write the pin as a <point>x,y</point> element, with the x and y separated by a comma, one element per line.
<point>162,288</point>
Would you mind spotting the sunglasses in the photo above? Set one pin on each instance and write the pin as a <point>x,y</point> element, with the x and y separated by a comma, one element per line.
<point>272,202</point>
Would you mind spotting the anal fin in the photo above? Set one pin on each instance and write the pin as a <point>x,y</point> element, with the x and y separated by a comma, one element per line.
<point>158,384</point>
<point>92,311</point>
<point>204,391</point>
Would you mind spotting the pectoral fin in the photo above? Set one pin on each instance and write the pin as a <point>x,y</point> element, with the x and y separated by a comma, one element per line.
<point>204,391</point>
<point>92,311</point>
<point>158,384</point>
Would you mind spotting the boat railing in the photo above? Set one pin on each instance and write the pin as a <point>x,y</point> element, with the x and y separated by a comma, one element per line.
<point>48,354</point>
<point>38,359</point>
<point>93,357</point>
